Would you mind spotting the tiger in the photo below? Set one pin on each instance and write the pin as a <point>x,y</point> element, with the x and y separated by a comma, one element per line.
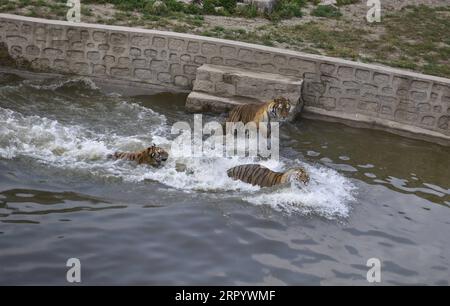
<point>153,156</point>
<point>258,175</point>
<point>277,109</point>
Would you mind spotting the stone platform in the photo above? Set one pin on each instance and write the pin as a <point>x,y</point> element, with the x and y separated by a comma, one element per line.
<point>217,89</point>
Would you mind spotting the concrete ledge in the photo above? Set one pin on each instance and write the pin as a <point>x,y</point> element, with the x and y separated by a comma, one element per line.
<point>362,121</point>
<point>200,102</point>
<point>231,81</point>
<point>241,86</point>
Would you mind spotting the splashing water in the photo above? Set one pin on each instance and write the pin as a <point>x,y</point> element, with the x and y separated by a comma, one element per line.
<point>82,83</point>
<point>327,194</point>
<point>79,145</point>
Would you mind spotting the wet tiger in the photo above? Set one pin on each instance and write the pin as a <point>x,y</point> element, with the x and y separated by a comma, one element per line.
<point>274,110</point>
<point>153,156</point>
<point>259,175</point>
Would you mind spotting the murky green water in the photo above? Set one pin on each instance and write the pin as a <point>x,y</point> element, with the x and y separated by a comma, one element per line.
<point>372,194</point>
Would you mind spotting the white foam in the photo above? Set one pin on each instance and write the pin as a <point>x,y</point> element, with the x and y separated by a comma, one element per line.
<point>328,194</point>
<point>76,81</point>
<point>201,174</point>
<point>46,140</point>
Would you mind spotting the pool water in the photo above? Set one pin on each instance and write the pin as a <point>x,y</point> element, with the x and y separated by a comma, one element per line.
<point>372,195</point>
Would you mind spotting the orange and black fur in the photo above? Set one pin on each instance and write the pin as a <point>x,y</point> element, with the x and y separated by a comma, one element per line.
<point>274,110</point>
<point>261,176</point>
<point>153,156</point>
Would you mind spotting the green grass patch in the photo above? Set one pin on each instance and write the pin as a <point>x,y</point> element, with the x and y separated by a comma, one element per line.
<point>247,11</point>
<point>346,2</point>
<point>285,9</point>
<point>422,35</point>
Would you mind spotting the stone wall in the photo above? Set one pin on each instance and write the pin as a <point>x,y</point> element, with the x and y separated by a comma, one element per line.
<point>390,98</point>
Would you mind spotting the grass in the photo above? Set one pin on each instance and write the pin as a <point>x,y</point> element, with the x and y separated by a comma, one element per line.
<point>326,11</point>
<point>415,38</point>
<point>334,42</point>
<point>346,2</point>
<point>424,37</point>
<point>285,9</point>
<point>6,5</point>
<point>248,11</point>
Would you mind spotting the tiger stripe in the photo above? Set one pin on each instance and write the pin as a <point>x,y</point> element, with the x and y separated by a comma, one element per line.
<point>259,175</point>
<point>152,155</point>
<point>277,109</point>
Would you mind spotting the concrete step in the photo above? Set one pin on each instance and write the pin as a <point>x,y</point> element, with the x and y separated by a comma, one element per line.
<point>216,86</point>
<point>229,81</point>
<point>199,102</point>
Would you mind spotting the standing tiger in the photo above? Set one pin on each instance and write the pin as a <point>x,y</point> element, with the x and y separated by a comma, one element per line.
<point>259,175</point>
<point>153,156</point>
<point>275,110</point>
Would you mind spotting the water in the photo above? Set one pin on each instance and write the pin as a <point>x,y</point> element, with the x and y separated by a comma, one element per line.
<point>372,194</point>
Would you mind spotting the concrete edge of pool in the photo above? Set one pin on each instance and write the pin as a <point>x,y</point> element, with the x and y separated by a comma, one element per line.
<point>362,95</point>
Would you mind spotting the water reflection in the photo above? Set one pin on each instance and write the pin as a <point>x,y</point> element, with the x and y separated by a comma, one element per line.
<point>31,202</point>
<point>144,232</point>
<point>404,165</point>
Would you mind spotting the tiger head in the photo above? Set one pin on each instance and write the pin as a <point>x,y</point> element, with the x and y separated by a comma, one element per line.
<point>299,174</point>
<point>279,108</point>
<point>156,155</point>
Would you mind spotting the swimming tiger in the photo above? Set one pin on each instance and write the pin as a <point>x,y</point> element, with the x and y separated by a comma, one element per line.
<point>259,175</point>
<point>153,156</point>
<point>275,110</point>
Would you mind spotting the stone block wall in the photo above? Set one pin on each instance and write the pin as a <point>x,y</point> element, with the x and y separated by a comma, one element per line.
<point>333,87</point>
<point>416,100</point>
